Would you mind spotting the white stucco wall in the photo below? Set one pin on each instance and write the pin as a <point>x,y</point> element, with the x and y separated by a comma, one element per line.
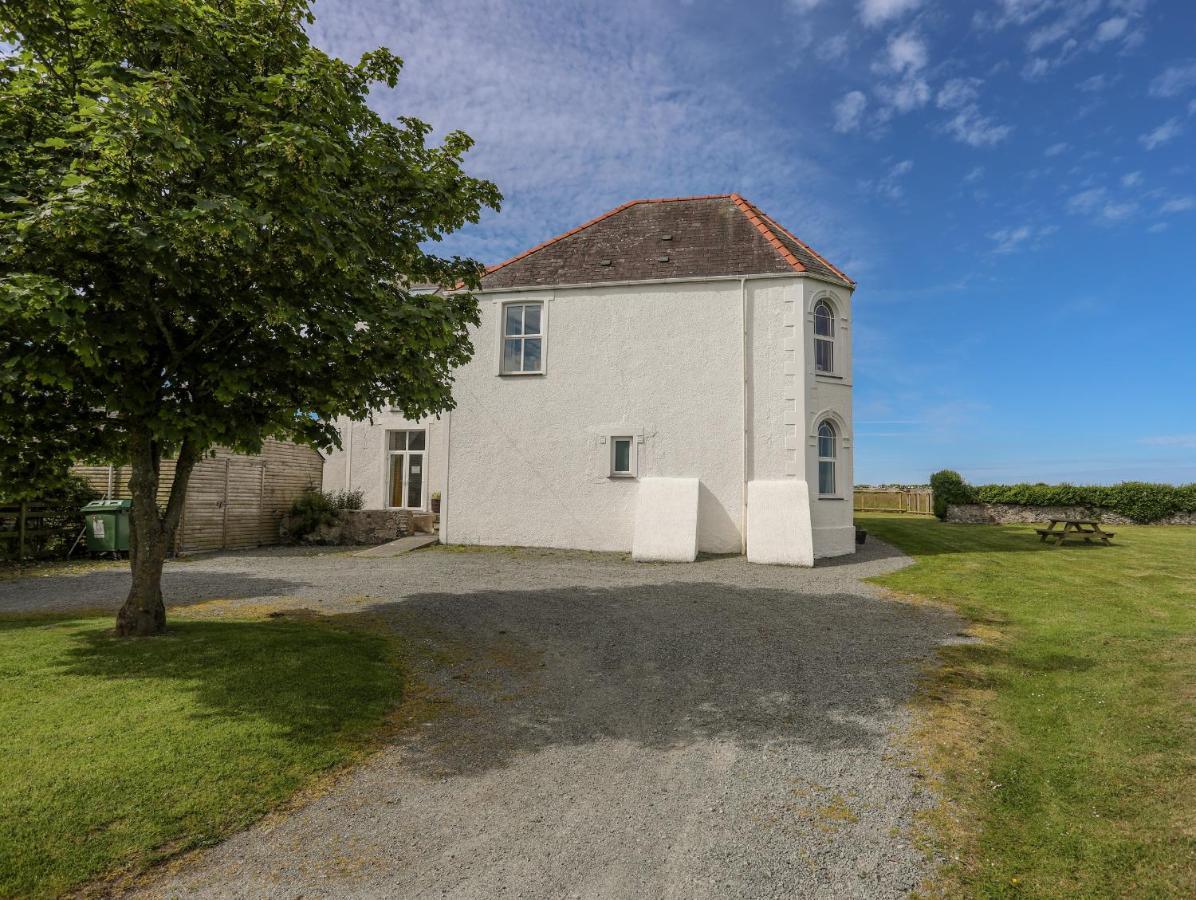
<point>829,396</point>
<point>369,468</point>
<point>524,459</point>
<point>662,362</point>
<point>787,400</point>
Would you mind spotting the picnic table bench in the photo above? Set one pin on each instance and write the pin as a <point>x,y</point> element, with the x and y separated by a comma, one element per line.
<point>1074,529</point>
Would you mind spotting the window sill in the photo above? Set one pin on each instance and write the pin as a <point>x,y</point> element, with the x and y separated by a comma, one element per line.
<point>831,375</point>
<point>831,497</point>
<point>622,476</point>
<point>518,374</point>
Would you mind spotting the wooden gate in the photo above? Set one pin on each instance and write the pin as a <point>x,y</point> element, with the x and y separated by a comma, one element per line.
<point>224,505</point>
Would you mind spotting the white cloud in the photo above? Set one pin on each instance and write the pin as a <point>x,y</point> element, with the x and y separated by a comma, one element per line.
<point>1174,80</point>
<point>802,6</point>
<point>890,184</point>
<point>1023,237</point>
<point>1115,212</point>
<point>1021,12</point>
<point>1168,131</point>
<point>1157,228</point>
<point>1095,83</point>
<point>1056,149</point>
<point>1097,203</point>
<point>1088,201</point>
<point>849,112</point>
<point>1131,179</point>
<point>905,96</point>
<point>832,49</point>
<point>969,126</point>
<point>1192,108</point>
<point>958,92</point>
<point>1072,15</point>
<point>1178,205</point>
<point>1036,68</point>
<point>974,175</point>
<point>878,12</point>
<point>906,54</point>
<point>1111,29</point>
<point>575,109</point>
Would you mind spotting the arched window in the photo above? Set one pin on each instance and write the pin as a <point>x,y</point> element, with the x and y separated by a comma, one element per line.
<point>827,447</point>
<point>824,337</point>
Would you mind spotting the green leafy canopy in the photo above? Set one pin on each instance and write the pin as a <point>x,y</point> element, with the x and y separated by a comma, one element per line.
<point>205,232</point>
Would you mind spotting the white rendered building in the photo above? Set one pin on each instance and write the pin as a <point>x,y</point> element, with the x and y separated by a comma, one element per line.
<point>672,377</point>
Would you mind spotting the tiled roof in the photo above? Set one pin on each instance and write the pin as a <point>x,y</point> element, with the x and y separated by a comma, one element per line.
<point>679,237</point>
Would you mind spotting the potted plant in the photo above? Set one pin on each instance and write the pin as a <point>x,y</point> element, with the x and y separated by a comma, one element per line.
<point>436,502</point>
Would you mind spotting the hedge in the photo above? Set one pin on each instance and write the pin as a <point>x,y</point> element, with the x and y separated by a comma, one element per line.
<point>1139,501</point>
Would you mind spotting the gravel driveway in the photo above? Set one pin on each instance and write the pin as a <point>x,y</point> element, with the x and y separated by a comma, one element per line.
<point>613,729</point>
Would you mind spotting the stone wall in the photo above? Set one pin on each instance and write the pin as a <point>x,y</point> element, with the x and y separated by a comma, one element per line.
<point>1012,514</point>
<point>358,526</point>
<point>374,526</point>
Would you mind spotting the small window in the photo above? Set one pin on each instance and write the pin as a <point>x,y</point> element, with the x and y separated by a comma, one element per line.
<point>824,337</point>
<point>622,457</point>
<point>522,339</point>
<point>827,440</point>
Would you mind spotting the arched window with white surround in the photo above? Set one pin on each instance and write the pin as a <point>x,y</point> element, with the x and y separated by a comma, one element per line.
<point>828,440</point>
<point>824,337</point>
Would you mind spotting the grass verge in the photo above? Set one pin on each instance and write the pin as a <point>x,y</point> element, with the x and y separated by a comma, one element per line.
<point>1065,740</point>
<point>115,754</point>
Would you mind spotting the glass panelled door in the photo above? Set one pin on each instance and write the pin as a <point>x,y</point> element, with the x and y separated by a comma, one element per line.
<point>408,471</point>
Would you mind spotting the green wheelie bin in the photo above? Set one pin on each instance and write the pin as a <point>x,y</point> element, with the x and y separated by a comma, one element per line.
<point>107,526</point>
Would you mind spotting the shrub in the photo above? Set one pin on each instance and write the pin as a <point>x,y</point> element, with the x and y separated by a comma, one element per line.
<point>310,510</point>
<point>347,499</point>
<point>1139,501</point>
<point>950,490</point>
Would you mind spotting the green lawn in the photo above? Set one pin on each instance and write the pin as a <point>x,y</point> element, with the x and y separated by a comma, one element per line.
<point>116,753</point>
<point>1066,740</point>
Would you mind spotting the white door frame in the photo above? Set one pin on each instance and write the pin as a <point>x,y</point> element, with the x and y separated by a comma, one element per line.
<point>388,469</point>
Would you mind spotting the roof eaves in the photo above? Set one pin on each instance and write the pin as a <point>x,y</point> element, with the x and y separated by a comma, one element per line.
<point>814,253</point>
<point>756,218</point>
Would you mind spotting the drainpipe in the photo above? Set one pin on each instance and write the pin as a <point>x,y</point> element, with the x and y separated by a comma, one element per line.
<point>349,459</point>
<point>743,313</point>
<point>444,494</point>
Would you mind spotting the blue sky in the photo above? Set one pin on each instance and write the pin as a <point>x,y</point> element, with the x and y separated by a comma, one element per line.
<point>1011,182</point>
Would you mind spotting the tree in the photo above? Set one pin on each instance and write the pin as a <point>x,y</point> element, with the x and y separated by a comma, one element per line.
<point>205,237</point>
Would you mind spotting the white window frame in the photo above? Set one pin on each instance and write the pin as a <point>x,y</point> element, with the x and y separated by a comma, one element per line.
<point>388,469</point>
<point>831,339</point>
<point>502,337</point>
<point>833,459</point>
<point>632,456</point>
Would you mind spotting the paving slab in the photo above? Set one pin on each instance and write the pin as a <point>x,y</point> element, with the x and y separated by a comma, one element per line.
<point>399,547</point>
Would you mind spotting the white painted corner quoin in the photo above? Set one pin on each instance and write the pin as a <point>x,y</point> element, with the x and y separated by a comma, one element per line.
<point>670,378</point>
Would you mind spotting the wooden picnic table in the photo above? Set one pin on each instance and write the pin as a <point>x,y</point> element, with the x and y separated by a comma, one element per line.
<point>1074,529</point>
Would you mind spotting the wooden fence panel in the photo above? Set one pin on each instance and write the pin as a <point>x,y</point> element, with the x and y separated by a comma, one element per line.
<point>25,528</point>
<point>233,500</point>
<point>243,503</point>
<point>918,501</point>
<point>203,514</point>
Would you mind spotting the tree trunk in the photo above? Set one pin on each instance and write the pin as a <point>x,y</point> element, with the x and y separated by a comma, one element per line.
<point>152,533</point>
